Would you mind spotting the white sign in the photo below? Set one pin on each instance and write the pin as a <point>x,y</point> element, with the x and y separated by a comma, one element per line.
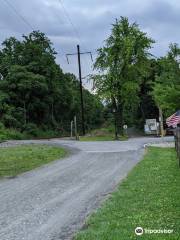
<point>152,124</point>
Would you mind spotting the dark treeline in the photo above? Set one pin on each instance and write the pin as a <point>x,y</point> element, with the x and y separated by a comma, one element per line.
<point>34,91</point>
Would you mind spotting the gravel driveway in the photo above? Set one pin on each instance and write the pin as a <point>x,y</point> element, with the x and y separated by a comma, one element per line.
<point>53,201</point>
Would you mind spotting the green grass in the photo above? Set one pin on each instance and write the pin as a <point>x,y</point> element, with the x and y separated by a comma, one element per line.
<point>15,160</point>
<point>101,138</point>
<point>102,134</point>
<point>149,197</point>
<point>96,138</point>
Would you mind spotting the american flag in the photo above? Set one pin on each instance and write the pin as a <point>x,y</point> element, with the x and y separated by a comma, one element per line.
<point>173,120</point>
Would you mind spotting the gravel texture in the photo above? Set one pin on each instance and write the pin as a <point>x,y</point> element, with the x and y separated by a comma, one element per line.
<point>53,201</point>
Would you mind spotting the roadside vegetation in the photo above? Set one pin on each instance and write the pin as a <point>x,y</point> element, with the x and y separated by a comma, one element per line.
<point>90,138</point>
<point>147,198</point>
<point>102,134</point>
<point>19,159</point>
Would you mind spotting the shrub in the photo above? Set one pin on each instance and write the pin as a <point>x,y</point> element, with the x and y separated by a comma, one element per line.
<point>1,125</point>
<point>31,129</point>
<point>7,134</point>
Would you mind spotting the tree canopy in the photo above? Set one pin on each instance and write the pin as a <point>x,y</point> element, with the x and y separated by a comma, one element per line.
<point>34,89</point>
<point>166,89</point>
<point>123,64</point>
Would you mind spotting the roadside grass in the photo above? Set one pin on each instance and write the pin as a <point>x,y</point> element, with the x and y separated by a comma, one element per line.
<point>15,160</point>
<point>101,138</point>
<point>149,198</point>
<point>96,138</point>
<point>102,134</point>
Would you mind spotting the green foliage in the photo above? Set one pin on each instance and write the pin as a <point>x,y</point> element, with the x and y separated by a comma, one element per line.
<point>166,90</point>
<point>123,64</point>
<point>31,129</point>
<point>2,126</point>
<point>7,134</point>
<point>34,92</point>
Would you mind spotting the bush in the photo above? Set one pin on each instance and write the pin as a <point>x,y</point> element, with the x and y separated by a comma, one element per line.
<point>9,121</point>
<point>31,129</point>
<point>2,125</point>
<point>7,134</point>
<point>105,131</point>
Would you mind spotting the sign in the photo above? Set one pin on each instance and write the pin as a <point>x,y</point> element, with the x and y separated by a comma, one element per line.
<point>151,126</point>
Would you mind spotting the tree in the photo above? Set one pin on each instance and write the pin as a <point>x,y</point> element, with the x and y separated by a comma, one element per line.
<point>166,89</point>
<point>27,93</point>
<point>122,64</point>
<point>147,106</point>
<point>34,91</point>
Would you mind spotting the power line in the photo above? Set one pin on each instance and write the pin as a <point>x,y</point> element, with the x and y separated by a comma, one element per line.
<point>76,33</point>
<point>72,24</point>
<point>18,14</point>
<point>68,17</point>
<point>25,20</point>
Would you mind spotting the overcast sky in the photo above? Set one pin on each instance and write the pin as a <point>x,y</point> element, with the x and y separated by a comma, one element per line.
<point>92,20</point>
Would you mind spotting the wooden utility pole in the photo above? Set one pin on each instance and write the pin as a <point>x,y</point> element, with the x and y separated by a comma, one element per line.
<point>81,90</point>
<point>80,81</point>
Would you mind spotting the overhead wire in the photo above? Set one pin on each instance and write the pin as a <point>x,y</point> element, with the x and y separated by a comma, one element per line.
<point>19,15</point>
<point>69,19</point>
<point>73,25</point>
<point>27,23</point>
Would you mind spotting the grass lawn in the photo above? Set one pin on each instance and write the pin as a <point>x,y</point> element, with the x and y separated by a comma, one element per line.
<point>96,138</point>
<point>149,198</point>
<point>101,138</point>
<point>102,134</point>
<point>15,160</point>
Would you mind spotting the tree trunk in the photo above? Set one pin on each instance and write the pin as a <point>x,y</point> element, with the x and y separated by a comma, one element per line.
<point>119,124</point>
<point>118,118</point>
<point>161,122</point>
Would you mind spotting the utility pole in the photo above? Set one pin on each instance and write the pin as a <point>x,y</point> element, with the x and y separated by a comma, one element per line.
<point>81,90</point>
<point>80,82</point>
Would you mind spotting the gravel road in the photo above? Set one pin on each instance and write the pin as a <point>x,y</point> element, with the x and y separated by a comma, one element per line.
<point>53,201</point>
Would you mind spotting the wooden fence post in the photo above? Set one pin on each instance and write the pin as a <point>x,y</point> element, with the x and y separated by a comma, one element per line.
<point>177,143</point>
